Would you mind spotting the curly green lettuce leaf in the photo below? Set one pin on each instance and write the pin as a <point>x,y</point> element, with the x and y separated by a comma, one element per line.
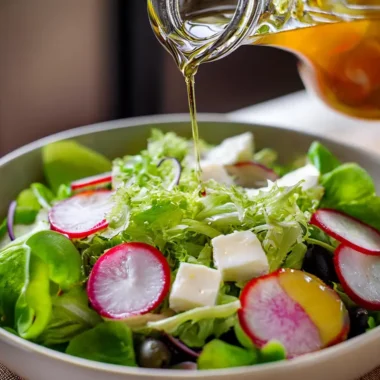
<point>218,354</point>
<point>70,317</point>
<point>180,221</point>
<point>167,145</point>
<point>196,334</point>
<point>108,342</point>
<point>67,161</point>
<point>295,258</point>
<point>170,325</point>
<point>322,158</point>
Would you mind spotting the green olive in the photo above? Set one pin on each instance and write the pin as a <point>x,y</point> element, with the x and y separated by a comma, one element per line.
<point>154,354</point>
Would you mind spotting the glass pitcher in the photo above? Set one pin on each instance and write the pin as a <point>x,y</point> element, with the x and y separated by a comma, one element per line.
<point>337,41</point>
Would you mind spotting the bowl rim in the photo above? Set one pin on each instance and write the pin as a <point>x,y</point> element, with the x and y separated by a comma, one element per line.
<point>302,361</point>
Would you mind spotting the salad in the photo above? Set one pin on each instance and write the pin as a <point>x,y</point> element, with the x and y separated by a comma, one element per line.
<point>135,262</point>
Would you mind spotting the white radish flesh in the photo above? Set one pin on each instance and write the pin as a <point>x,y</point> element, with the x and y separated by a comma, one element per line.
<point>130,279</point>
<point>359,275</point>
<point>81,215</point>
<point>348,230</point>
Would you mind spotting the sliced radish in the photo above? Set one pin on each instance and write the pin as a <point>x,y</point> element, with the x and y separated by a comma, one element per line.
<point>359,275</point>
<point>348,230</point>
<point>81,215</point>
<point>292,307</point>
<point>96,181</point>
<point>251,174</point>
<point>130,279</point>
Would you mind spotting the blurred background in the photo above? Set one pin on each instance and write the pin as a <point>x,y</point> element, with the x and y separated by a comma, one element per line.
<point>68,63</point>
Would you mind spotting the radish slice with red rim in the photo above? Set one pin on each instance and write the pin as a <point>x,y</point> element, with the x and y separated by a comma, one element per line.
<point>251,174</point>
<point>81,215</point>
<point>359,275</point>
<point>130,279</point>
<point>348,230</point>
<point>96,181</point>
<point>269,313</point>
<point>292,307</point>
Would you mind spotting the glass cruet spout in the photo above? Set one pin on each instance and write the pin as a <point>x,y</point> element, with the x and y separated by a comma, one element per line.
<point>193,43</point>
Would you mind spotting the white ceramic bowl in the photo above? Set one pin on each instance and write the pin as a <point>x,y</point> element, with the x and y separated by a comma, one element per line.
<point>346,361</point>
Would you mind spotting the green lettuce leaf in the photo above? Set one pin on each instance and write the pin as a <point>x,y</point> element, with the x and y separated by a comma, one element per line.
<point>43,195</point>
<point>345,184</point>
<point>70,317</point>
<point>33,308</point>
<point>296,257</point>
<point>67,161</point>
<point>322,158</point>
<point>367,210</point>
<point>218,354</point>
<point>3,228</point>
<point>13,276</point>
<point>60,255</point>
<point>273,351</point>
<point>27,207</point>
<point>109,342</point>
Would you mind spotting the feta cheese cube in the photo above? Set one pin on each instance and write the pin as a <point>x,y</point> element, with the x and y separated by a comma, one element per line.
<point>308,173</point>
<point>232,150</point>
<point>239,256</point>
<point>216,172</point>
<point>194,286</point>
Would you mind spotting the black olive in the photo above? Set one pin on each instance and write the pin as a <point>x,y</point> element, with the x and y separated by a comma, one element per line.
<point>358,321</point>
<point>319,262</point>
<point>153,354</point>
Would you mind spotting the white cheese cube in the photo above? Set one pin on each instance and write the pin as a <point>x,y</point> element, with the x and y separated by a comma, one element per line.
<point>308,173</point>
<point>194,286</point>
<point>239,256</point>
<point>216,172</point>
<point>232,150</point>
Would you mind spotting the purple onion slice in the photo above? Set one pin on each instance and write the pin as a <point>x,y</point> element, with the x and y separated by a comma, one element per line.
<point>10,220</point>
<point>182,346</point>
<point>177,170</point>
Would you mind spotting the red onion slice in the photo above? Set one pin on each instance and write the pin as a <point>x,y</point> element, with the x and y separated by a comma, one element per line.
<point>177,170</point>
<point>10,220</point>
<point>182,346</point>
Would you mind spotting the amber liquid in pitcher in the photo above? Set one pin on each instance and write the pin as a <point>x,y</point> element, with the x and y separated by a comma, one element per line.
<point>340,62</point>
